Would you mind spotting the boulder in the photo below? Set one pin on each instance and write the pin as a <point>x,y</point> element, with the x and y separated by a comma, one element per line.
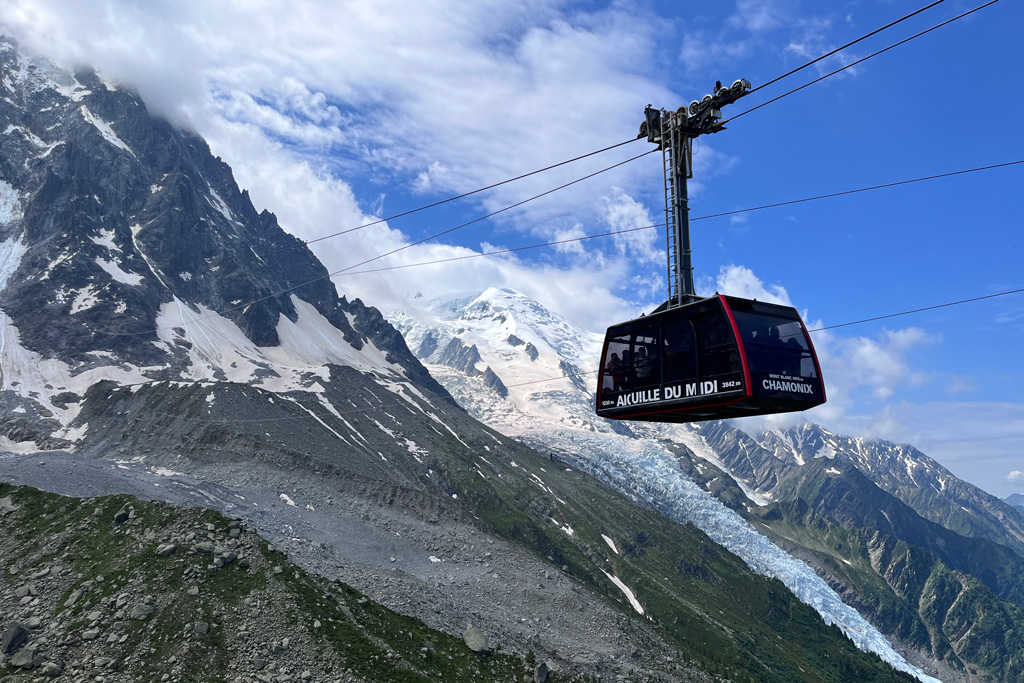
<point>141,611</point>
<point>476,640</point>
<point>26,658</point>
<point>51,669</point>
<point>15,636</point>
<point>7,506</point>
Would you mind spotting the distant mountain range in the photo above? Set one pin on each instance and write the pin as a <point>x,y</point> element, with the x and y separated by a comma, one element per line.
<point>160,337</point>
<point>932,561</point>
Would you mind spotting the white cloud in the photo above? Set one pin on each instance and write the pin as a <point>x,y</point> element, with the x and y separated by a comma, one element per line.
<point>575,232</point>
<point>621,212</point>
<point>449,95</point>
<point>742,282</point>
<point>759,16</point>
<point>959,384</point>
<point>1015,477</point>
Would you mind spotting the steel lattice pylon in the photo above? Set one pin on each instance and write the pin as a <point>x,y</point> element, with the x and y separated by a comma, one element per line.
<point>674,132</point>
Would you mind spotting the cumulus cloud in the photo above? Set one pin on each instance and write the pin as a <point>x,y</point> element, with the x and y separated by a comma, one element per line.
<point>621,212</point>
<point>741,281</point>
<point>570,236</point>
<point>449,95</point>
<point>1015,477</point>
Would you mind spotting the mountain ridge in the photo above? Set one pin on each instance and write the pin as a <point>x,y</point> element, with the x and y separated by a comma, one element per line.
<point>129,257</point>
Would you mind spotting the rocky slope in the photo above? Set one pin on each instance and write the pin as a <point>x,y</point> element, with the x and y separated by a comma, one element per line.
<point>932,491</point>
<point>119,589</point>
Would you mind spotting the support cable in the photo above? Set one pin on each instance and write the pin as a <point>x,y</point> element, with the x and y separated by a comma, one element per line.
<point>435,204</point>
<point>859,61</point>
<point>310,281</point>
<point>697,218</point>
<point>493,213</point>
<point>849,44</point>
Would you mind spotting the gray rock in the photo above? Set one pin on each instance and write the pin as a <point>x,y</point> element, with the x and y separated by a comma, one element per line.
<point>91,634</point>
<point>74,598</point>
<point>121,517</point>
<point>34,623</point>
<point>141,611</point>
<point>476,640</point>
<point>201,628</point>
<point>540,674</point>
<point>166,549</point>
<point>7,506</point>
<point>51,669</point>
<point>15,636</point>
<point>26,658</point>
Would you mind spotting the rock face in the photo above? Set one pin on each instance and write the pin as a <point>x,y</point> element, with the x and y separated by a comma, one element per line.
<point>117,230</point>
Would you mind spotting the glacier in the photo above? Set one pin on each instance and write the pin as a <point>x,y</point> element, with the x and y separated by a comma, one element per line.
<point>557,415</point>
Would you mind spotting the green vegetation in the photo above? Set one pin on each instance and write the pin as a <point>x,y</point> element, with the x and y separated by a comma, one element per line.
<point>103,559</point>
<point>718,615</point>
<point>909,593</point>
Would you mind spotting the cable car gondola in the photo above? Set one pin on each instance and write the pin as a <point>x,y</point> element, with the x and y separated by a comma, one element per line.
<point>713,359</point>
<point>697,358</point>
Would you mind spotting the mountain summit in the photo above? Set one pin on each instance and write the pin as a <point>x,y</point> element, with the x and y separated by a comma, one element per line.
<point>128,253</point>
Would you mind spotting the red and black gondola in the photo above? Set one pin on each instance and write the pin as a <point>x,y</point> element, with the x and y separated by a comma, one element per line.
<point>717,358</point>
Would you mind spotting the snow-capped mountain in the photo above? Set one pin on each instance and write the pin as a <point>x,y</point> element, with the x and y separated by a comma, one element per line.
<point>930,489</point>
<point>546,368</point>
<point>158,336</point>
<point>128,253</point>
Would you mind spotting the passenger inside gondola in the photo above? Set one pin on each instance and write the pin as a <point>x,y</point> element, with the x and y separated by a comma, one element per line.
<point>616,372</point>
<point>774,345</point>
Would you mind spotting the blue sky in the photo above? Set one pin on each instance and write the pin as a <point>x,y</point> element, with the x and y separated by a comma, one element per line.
<point>332,114</point>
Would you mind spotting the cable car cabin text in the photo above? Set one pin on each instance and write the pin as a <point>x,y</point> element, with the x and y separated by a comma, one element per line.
<point>717,358</point>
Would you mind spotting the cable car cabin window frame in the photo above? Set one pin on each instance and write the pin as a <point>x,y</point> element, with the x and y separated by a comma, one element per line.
<point>709,366</point>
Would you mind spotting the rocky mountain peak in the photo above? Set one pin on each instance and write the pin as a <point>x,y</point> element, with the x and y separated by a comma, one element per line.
<point>128,252</point>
